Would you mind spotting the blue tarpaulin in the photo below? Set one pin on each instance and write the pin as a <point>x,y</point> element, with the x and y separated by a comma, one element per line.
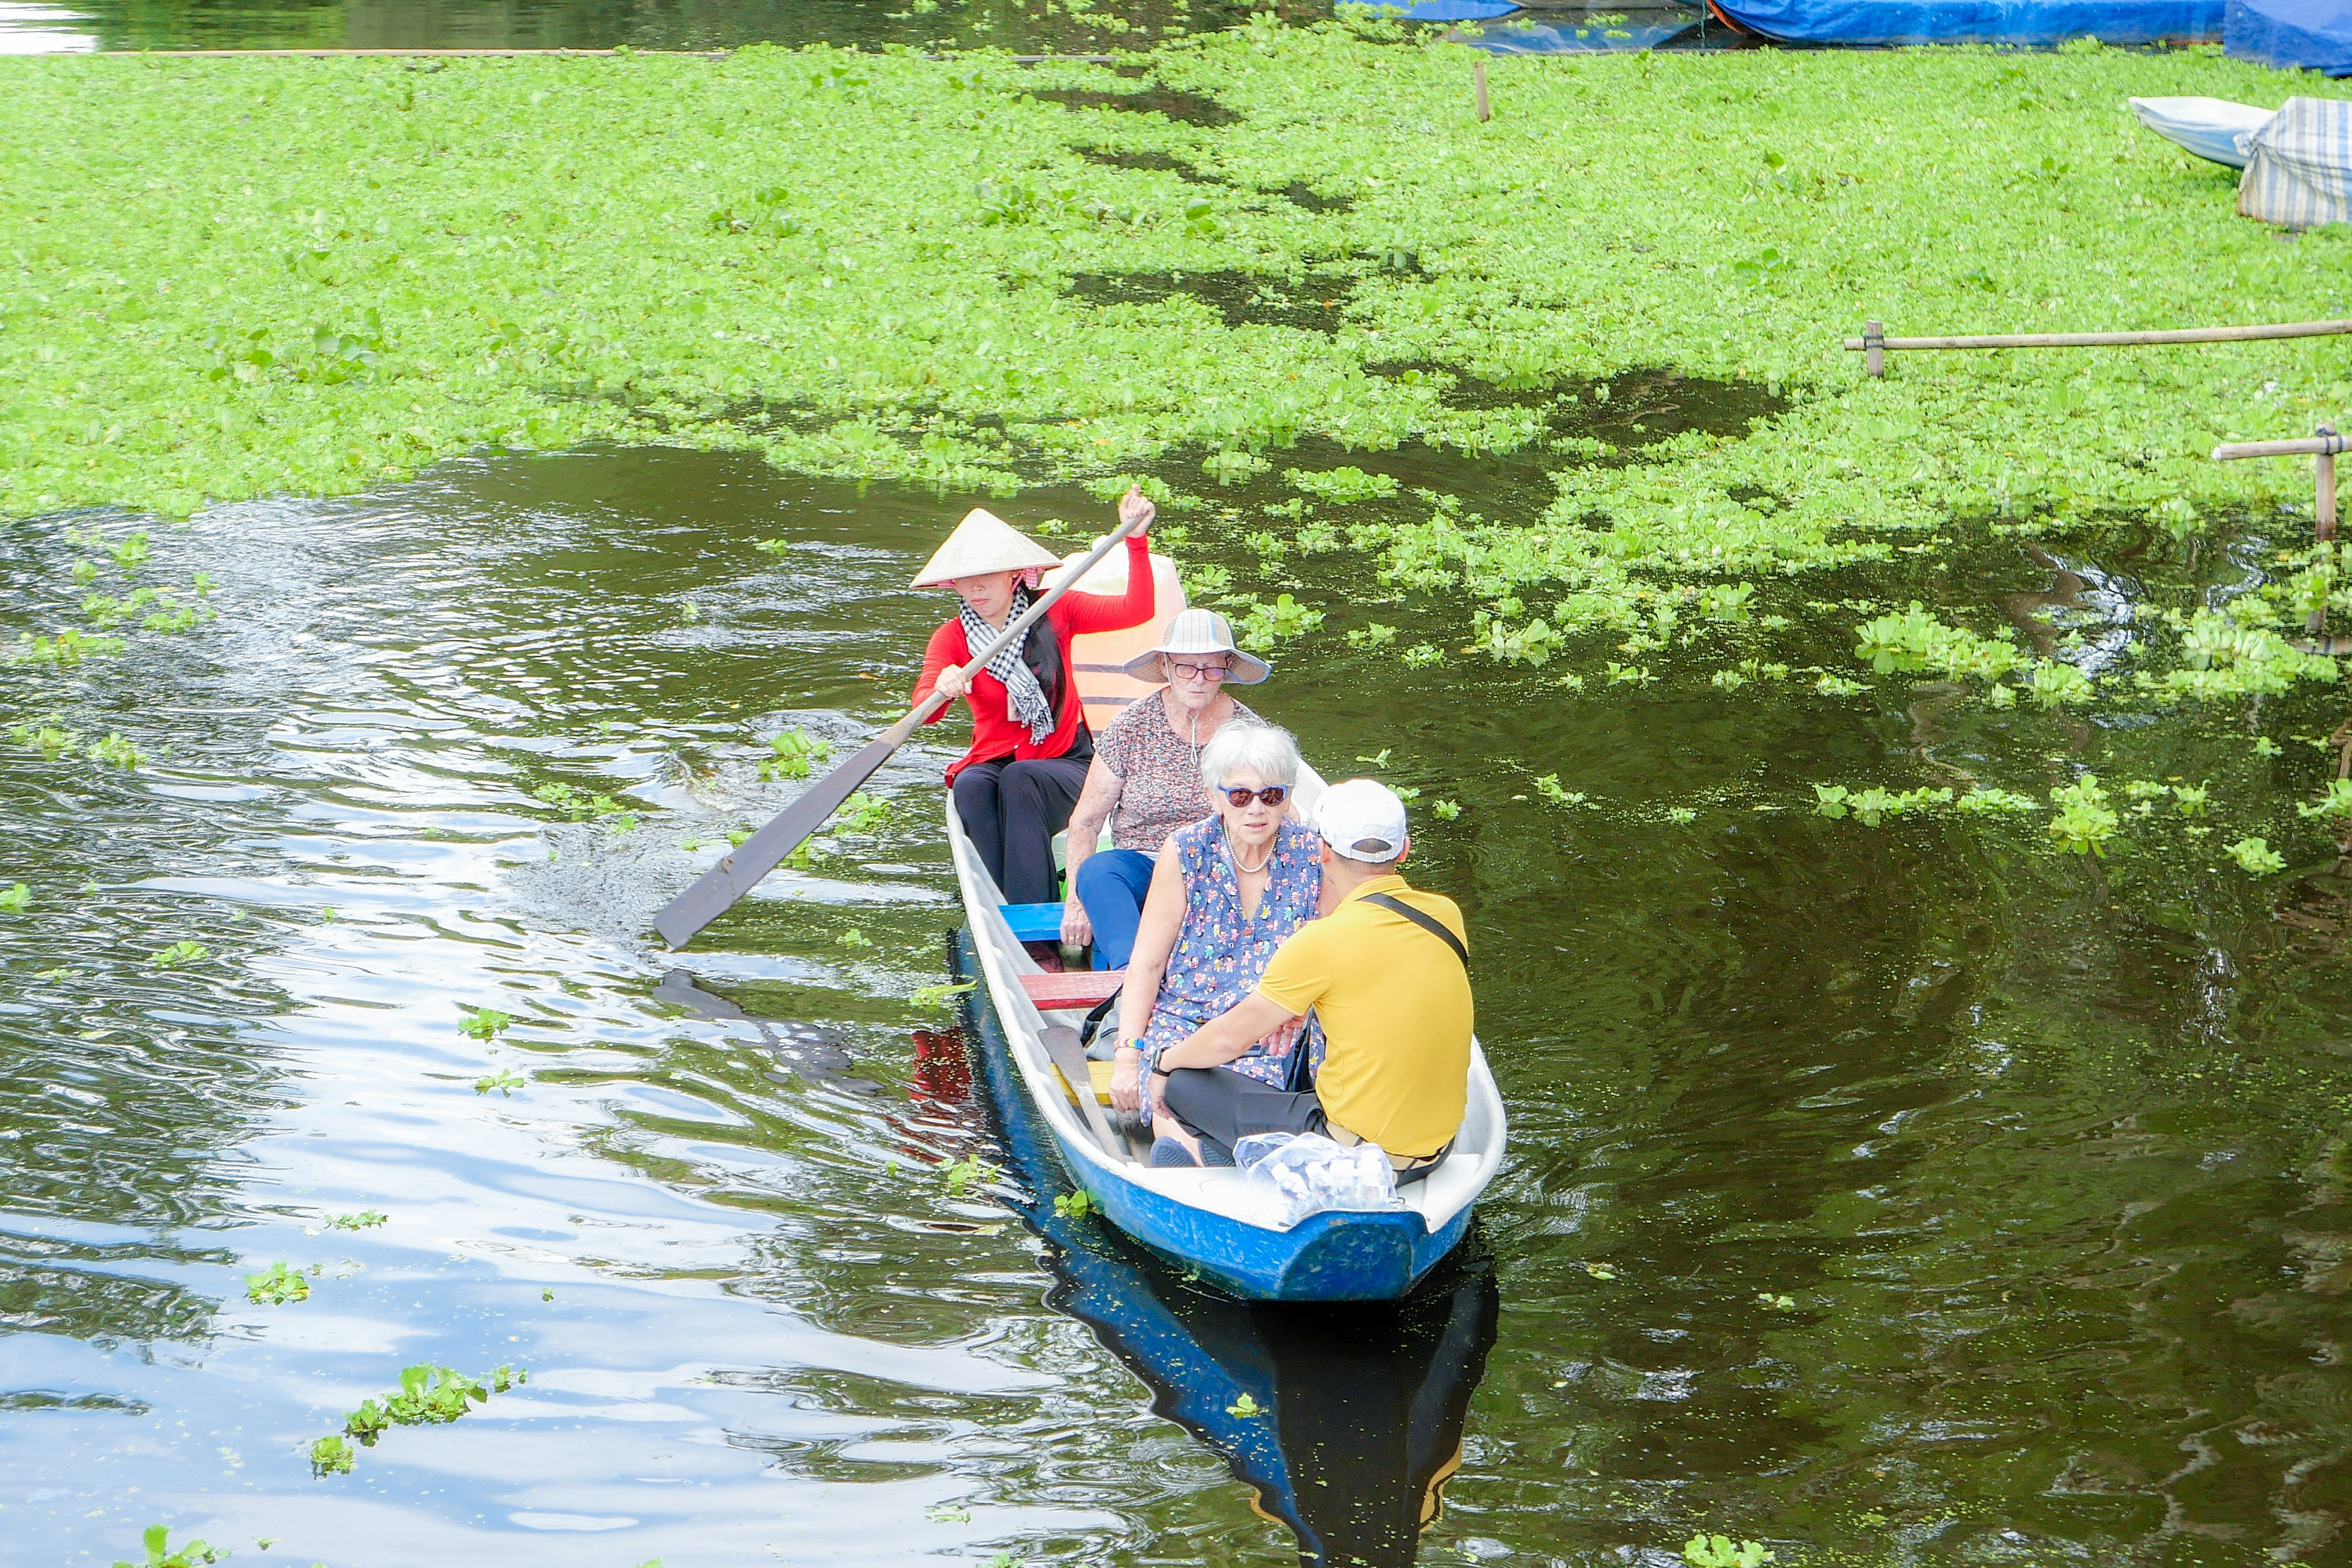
<point>1524,36</point>
<point>2310,34</point>
<point>1450,10</point>
<point>1978,21</point>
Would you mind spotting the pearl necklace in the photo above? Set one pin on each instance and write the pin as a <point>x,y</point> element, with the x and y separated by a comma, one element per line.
<point>1251,870</point>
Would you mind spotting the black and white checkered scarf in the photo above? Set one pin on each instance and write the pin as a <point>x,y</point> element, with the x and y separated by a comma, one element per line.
<point>1025,700</point>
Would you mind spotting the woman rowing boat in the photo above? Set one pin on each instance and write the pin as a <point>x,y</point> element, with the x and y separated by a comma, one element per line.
<point>1030,746</point>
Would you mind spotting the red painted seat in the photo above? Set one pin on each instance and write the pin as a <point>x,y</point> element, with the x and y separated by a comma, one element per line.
<point>1074,988</point>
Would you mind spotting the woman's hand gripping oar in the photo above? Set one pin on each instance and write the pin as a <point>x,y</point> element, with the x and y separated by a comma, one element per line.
<point>717,889</point>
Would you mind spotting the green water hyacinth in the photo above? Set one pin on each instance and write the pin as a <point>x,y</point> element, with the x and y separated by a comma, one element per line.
<point>2084,822</point>
<point>2256,856</point>
<point>366,268</point>
<point>161,1554</point>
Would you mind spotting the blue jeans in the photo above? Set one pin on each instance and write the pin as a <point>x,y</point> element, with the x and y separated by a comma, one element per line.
<point>1111,886</point>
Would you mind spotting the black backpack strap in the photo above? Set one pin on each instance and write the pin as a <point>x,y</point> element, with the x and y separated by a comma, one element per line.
<point>1429,924</point>
<point>1093,1026</point>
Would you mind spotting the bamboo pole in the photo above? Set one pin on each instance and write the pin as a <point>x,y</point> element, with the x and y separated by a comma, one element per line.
<point>422,54</point>
<point>2321,446</point>
<point>503,54</point>
<point>2107,340</point>
<point>2325,442</point>
<point>1478,88</point>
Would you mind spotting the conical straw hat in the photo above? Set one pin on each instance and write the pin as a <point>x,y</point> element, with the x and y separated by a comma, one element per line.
<point>984,542</point>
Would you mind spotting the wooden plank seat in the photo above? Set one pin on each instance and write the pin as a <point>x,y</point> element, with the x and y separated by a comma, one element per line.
<point>1098,1071</point>
<point>1080,989</point>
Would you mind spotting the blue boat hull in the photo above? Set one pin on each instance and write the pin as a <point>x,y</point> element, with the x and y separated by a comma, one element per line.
<point>1326,1257</point>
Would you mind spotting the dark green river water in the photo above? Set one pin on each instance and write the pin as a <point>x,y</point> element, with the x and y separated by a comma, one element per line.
<point>1904,1193</point>
<point>1896,1193</point>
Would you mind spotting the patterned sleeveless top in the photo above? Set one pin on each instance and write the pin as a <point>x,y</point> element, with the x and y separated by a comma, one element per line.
<point>1220,954</point>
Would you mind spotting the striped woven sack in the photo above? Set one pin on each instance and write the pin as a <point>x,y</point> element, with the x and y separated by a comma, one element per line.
<point>2299,166</point>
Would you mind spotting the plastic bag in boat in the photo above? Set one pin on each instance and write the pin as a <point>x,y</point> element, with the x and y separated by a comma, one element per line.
<point>1294,1174</point>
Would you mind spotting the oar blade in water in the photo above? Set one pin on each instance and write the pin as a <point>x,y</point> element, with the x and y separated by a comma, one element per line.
<point>717,889</point>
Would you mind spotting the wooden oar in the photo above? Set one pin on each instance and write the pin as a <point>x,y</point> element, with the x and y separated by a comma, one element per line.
<point>1061,1044</point>
<point>717,889</point>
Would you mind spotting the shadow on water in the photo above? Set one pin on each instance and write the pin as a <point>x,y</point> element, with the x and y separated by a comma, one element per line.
<point>1313,303</point>
<point>1347,1421</point>
<point>1299,194</point>
<point>1185,108</point>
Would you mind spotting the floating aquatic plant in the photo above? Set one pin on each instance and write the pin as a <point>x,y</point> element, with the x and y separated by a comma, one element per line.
<point>506,1081</point>
<point>428,1396</point>
<point>960,1173</point>
<point>580,804</point>
<point>50,740</point>
<point>1551,789</point>
<point>364,1220</point>
<point>2084,822</point>
<point>1873,805</point>
<point>161,1554</point>
<point>179,954</point>
<point>1079,1205</point>
<point>1261,626</point>
<point>484,1023</point>
<point>940,995</point>
<point>2256,856</point>
<point>1341,485</point>
<point>2336,801</point>
<point>1704,1551</point>
<point>17,899</point>
<point>67,648</point>
<point>277,1285</point>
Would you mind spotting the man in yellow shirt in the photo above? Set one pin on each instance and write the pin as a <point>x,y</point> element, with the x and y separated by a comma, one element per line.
<point>1385,969</point>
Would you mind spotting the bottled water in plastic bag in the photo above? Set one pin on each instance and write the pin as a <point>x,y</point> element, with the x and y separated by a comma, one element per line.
<point>1293,1176</point>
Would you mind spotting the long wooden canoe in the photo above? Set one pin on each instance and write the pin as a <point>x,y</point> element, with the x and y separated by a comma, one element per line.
<point>1204,1219</point>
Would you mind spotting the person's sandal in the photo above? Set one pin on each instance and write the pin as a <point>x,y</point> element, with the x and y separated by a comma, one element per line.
<point>1168,1153</point>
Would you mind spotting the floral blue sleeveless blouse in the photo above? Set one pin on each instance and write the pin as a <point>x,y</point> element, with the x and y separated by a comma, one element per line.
<point>1219,952</point>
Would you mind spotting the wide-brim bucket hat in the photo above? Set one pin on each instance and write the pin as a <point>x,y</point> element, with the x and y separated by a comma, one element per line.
<point>984,542</point>
<point>1200,632</point>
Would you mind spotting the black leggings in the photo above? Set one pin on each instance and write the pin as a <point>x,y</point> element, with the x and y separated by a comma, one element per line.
<point>1222,1106</point>
<point>1012,811</point>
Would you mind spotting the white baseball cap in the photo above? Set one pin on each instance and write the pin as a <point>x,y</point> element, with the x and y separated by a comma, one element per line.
<point>1361,819</point>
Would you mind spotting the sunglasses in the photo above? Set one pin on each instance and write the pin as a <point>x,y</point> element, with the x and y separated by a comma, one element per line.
<point>1273,794</point>
<point>1198,671</point>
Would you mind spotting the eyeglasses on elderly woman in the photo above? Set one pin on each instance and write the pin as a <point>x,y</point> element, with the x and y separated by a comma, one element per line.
<point>1185,670</point>
<point>1273,794</point>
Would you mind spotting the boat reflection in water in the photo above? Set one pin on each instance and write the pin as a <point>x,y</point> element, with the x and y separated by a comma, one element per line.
<point>1347,1418</point>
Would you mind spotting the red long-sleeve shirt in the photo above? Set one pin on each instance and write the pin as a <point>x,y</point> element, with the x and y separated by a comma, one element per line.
<point>994,731</point>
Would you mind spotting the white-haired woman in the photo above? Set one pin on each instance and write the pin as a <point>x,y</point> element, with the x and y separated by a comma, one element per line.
<point>1030,745</point>
<point>1146,778</point>
<point>1225,893</point>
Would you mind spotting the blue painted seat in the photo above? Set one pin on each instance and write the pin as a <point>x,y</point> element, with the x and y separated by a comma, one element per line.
<point>1034,922</point>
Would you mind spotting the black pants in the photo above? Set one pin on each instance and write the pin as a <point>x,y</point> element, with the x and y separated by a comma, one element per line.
<point>1220,1106</point>
<point>1012,811</point>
